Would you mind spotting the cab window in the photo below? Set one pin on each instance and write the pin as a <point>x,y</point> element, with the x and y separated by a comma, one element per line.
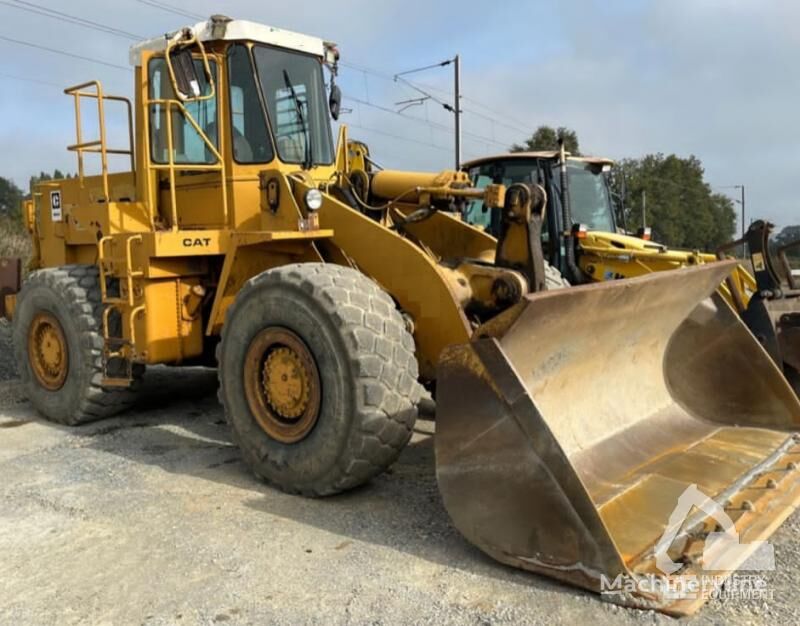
<point>188,146</point>
<point>294,89</point>
<point>475,211</point>
<point>590,201</point>
<point>251,142</point>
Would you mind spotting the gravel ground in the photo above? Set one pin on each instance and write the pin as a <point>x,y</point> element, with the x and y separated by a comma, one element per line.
<point>150,518</point>
<point>8,368</point>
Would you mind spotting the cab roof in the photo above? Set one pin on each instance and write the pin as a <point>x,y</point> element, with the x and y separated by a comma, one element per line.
<point>222,28</point>
<point>540,154</point>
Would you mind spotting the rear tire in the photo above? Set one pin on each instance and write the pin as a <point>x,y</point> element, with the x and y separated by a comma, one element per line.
<point>353,422</point>
<point>65,303</point>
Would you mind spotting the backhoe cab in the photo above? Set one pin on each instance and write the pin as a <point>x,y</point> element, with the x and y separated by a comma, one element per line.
<point>328,291</point>
<point>584,210</point>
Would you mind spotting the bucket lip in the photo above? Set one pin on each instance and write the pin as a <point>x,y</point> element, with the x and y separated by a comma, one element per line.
<point>756,521</point>
<point>502,323</point>
<point>722,267</point>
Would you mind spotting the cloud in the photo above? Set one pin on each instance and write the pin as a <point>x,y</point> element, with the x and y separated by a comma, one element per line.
<point>706,78</point>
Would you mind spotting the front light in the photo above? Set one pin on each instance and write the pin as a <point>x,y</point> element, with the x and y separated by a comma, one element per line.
<point>313,199</point>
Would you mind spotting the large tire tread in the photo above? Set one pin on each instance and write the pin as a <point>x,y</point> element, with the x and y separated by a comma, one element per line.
<point>380,354</point>
<point>77,288</point>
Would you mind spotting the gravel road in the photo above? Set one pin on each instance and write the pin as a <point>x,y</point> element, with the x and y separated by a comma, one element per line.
<point>8,368</point>
<point>150,518</point>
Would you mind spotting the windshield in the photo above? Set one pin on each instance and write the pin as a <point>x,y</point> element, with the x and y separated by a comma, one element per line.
<point>294,90</point>
<point>590,202</point>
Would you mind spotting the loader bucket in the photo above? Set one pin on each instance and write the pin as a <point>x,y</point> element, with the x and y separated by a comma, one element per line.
<point>580,432</point>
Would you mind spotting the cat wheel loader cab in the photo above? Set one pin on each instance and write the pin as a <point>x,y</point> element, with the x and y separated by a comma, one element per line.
<point>581,219</point>
<point>328,292</point>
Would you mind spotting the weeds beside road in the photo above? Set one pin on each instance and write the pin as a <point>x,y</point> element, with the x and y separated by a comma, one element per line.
<point>14,240</point>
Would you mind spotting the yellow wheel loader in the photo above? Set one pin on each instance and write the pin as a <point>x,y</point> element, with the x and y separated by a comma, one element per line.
<point>569,422</point>
<point>767,296</point>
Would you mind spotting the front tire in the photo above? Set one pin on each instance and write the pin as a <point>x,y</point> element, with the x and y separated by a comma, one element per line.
<point>318,378</point>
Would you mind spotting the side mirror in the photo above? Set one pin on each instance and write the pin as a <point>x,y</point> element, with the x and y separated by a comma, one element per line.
<point>335,101</point>
<point>183,69</point>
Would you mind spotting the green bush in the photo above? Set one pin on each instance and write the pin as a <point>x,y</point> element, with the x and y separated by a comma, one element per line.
<point>14,240</point>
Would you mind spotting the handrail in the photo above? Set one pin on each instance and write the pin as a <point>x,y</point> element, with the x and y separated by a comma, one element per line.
<point>184,39</point>
<point>96,146</point>
<point>171,166</point>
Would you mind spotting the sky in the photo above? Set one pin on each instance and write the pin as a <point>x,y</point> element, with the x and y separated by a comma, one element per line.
<point>710,78</point>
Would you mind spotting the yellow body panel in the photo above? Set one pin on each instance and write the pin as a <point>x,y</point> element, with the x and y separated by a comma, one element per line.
<point>169,329</point>
<point>412,278</point>
<point>610,256</point>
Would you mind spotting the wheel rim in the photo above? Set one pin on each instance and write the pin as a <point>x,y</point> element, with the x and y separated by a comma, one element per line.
<point>282,384</point>
<point>47,351</point>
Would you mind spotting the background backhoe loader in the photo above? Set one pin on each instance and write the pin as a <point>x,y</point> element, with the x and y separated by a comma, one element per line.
<point>581,221</point>
<point>568,420</point>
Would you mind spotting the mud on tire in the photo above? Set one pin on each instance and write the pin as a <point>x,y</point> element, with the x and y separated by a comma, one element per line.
<point>365,360</point>
<point>71,294</point>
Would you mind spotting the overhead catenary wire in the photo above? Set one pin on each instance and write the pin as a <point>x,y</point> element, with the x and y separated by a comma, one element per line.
<point>107,29</point>
<point>393,78</point>
<point>506,121</point>
<point>170,8</point>
<point>31,80</point>
<point>426,67</point>
<point>420,120</point>
<point>369,71</point>
<point>481,105</point>
<point>63,53</point>
<point>398,137</point>
<point>100,27</point>
<point>37,9</point>
<point>497,122</point>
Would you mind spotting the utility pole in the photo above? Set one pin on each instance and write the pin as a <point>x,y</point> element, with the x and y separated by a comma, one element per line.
<point>644,208</point>
<point>457,113</point>
<point>741,187</point>
<point>455,108</point>
<point>739,201</point>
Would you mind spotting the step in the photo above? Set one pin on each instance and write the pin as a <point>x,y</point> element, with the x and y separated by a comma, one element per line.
<point>119,383</point>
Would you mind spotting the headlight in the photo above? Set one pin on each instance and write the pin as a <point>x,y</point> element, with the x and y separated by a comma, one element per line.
<point>313,199</point>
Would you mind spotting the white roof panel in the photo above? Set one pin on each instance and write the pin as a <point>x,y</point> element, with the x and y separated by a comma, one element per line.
<point>216,29</point>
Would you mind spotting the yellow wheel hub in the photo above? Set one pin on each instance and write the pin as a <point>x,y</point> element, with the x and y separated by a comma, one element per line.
<point>282,384</point>
<point>47,351</point>
<point>286,383</point>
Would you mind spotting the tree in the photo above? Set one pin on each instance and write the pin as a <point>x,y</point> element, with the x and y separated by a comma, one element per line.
<point>789,234</point>
<point>546,138</point>
<point>44,176</point>
<point>10,198</point>
<point>680,207</point>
